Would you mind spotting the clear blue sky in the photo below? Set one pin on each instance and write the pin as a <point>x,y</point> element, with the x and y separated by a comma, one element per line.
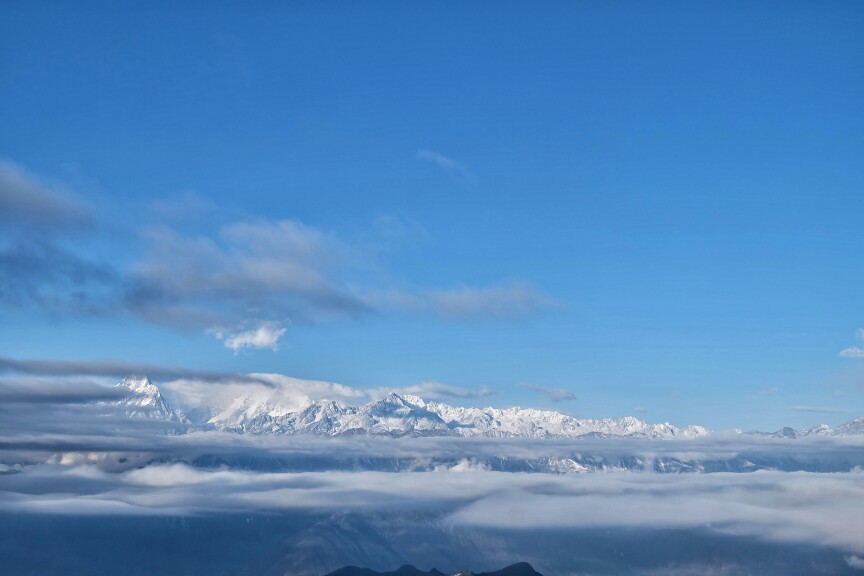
<point>656,208</point>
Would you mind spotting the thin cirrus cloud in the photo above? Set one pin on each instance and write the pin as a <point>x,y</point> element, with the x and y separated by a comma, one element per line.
<point>551,394</point>
<point>455,170</point>
<point>510,299</point>
<point>819,409</point>
<point>434,391</point>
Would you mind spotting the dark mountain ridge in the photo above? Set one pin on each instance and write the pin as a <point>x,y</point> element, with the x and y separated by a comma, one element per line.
<point>518,569</point>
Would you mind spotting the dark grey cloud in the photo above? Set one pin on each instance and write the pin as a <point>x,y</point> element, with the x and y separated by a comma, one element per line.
<point>819,409</point>
<point>41,391</point>
<point>120,369</point>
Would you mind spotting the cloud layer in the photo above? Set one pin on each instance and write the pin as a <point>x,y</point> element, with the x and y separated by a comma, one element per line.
<point>798,508</point>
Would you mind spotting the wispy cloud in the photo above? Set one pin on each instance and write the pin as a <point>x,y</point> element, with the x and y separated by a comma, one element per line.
<point>274,389</point>
<point>551,394</point>
<point>452,168</point>
<point>819,409</point>
<point>435,391</point>
<point>239,280</point>
<point>28,202</point>
<point>504,300</point>
<point>279,266</point>
<point>500,300</point>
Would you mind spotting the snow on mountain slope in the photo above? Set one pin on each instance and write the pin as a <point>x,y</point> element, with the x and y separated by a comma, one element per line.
<point>270,410</point>
<point>144,400</point>
<point>850,428</point>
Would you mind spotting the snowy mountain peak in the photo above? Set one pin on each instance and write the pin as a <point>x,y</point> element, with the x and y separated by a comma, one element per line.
<point>415,400</point>
<point>271,411</point>
<point>852,427</point>
<point>143,400</point>
<point>139,385</point>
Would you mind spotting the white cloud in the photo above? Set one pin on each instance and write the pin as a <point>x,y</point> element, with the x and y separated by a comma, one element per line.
<point>852,352</point>
<point>855,562</point>
<point>275,389</point>
<point>787,507</point>
<point>264,335</point>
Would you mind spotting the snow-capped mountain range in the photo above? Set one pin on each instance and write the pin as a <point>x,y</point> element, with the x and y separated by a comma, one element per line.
<point>406,415</point>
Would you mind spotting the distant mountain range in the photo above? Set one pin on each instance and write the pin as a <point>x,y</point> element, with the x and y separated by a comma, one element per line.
<point>519,569</point>
<point>408,415</point>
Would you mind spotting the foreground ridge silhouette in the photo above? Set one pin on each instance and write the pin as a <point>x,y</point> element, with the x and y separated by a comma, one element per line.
<point>519,569</point>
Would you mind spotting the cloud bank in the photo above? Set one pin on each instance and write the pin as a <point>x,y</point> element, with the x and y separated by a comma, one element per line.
<point>796,508</point>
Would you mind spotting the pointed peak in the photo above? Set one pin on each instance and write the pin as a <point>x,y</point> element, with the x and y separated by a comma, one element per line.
<point>138,385</point>
<point>394,398</point>
<point>416,400</point>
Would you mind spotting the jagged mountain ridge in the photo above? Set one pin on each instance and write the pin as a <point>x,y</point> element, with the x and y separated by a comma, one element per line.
<point>409,415</point>
<point>518,569</point>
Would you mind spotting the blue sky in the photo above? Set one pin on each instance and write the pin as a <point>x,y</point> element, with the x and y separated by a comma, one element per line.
<point>607,208</point>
